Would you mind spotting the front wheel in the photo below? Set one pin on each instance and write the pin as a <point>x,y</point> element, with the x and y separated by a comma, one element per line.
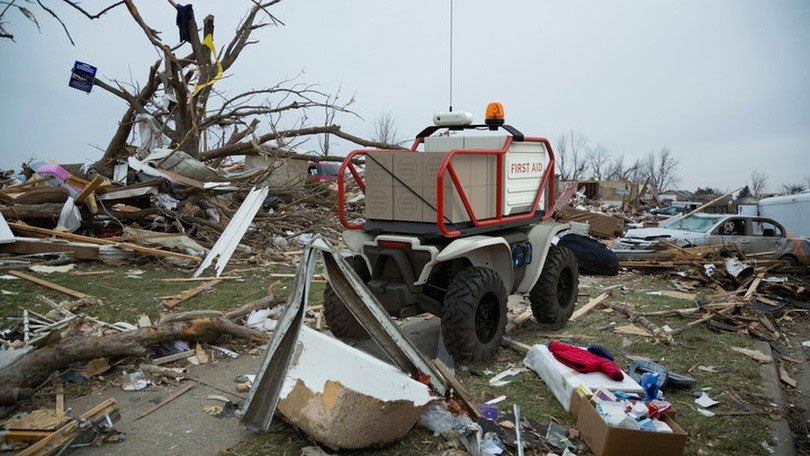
<point>474,316</point>
<point>554,296</point>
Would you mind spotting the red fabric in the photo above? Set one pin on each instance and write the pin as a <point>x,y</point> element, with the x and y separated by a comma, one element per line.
<point>582,360</point>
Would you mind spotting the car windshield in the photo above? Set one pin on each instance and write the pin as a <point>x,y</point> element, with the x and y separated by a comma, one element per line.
<point>694,224</point>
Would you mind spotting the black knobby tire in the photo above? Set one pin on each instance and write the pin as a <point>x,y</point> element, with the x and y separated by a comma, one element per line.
<point>554,296</point>
<point>474,316</point>
<point>593,257</point>
<point>338,317</point>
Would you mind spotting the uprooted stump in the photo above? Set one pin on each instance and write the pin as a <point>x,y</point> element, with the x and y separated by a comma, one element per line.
<point>18,379</point>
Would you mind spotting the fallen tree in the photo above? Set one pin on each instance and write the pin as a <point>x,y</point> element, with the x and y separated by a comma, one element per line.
<point>19,379</point>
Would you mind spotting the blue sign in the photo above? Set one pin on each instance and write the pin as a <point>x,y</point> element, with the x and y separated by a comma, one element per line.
<point>82,83</point>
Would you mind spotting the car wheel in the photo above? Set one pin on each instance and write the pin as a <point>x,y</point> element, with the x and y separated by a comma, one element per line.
<point>592,256</point>
<point>338,317</point>
<point>554,296</point>
<point>474,318</point>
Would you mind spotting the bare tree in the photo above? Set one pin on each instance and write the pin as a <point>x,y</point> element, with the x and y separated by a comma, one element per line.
<point>662,169</point>
<point>617,170</point>
<point>385,129</point>
<point>54,12</point>
<point>597,161</point>
<point>180,100</point>
<point>570,154</point>
<point>792,189</point>
<point>757,182</point>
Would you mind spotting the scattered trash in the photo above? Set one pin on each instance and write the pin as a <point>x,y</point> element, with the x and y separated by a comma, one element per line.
<point>705,401</point>
<point>506,377</point>
<point>135,381</point>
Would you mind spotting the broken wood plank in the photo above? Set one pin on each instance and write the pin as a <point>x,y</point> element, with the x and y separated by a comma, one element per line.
<point>756,355</point>
<point>89,189</point>
<point>519,320</point>
<point>461,393</point>
<point>60,398</point>
<point>173,357</point>
<point>753,288</point>
<point>679,295</point>
<point>64,434</point>
<point>190,293</point>
<point>167,400</point>
<point>46,284</point>
<point>633,330</point>
<point>589,306</point>
<point>657,333</point>
<point>519,347</point>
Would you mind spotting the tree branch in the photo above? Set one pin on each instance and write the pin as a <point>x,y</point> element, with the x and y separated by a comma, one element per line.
<point>92,16</point>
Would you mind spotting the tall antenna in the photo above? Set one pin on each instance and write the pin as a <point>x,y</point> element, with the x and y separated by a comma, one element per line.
<point>451,55</point>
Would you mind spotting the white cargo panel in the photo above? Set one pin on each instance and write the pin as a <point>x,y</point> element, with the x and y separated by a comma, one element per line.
<point>524,165</point>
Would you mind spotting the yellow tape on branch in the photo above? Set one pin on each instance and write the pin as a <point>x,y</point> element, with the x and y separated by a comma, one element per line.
<point>209,42</point>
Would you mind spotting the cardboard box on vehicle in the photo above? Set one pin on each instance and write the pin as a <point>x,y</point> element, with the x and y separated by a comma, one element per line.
<point>605,440</point>
<point>407,169</point>
<point>379,202</point>
<point>379,169</point>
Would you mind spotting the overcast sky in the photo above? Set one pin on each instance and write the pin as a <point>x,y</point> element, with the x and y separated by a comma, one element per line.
<point>724,84</point>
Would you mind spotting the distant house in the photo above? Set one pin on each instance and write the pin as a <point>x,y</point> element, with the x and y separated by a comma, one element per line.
<point>614,193</point>
<point>674,195</point>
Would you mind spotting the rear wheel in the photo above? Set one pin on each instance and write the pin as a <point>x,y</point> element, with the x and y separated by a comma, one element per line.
<point>592,256</point>
<point>474,316</point>
<point>554,295</point>
<point>338,317</point>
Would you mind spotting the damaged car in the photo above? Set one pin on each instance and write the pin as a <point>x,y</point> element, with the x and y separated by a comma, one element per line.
<point>753,235</point>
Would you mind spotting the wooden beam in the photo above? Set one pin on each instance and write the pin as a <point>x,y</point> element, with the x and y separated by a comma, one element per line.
<point>32,230</point>
<point>46,284</point>
<point>166,401</point>
<point>190,293</point>
<point>589,306</point>
<point>90,188</point>
<point>461,393</point>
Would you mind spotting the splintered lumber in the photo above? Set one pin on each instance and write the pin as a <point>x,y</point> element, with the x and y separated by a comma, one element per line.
<point>519,320</point>
<point>67,432</point>
<point>18,378</point>
<point>589,306</point>
<point>46,284</point>
<point>32,230</point>
<point>753,288</point>
<point>756,355</point>
<point>89,189</point>
<point>656,332</point>
<point>461,393</point>
<point>190,293</point>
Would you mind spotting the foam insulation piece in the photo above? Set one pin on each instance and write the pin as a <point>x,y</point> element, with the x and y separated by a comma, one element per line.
<point>345,398</point>
<point>562,380</point>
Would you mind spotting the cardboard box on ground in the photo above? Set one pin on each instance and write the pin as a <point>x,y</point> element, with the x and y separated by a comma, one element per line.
<point>605,440</point>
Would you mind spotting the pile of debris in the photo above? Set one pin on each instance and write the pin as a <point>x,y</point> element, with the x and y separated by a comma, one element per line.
<point>167,204</point>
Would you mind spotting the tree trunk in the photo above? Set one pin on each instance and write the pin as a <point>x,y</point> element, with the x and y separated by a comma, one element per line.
<point>18,379</point>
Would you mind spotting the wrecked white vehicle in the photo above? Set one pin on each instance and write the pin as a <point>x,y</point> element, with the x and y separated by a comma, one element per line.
<point>753,235</point>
